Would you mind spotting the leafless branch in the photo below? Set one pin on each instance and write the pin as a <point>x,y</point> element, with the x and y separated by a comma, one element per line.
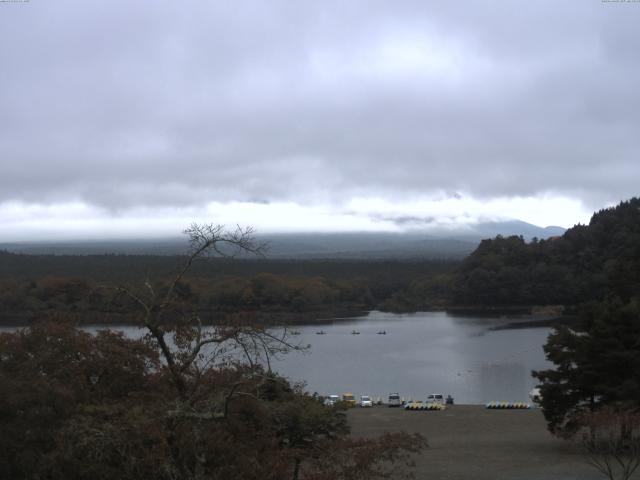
<point>183,358</point>
<point>611,441</point>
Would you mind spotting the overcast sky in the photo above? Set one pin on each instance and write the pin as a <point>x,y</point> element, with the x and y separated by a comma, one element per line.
<point>121,118</point>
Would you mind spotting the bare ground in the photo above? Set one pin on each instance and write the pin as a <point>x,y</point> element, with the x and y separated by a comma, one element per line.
<point>474,443</point>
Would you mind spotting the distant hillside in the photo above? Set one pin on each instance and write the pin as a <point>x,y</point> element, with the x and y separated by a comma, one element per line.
<point>518,228</point>
<point>587,262</point>
<point>367,246</point>
<point>435,244</point>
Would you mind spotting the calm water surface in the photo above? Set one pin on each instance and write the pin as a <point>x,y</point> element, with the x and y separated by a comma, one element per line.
<point>421,353</point>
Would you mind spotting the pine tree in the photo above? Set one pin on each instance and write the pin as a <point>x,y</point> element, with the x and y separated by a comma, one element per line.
<point>596,362</point>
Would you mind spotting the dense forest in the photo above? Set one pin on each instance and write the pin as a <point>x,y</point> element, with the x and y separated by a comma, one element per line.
<point>273,290</point>
<point>588,262</point>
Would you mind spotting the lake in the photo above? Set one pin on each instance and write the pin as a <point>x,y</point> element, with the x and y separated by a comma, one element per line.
<point>421,353</point>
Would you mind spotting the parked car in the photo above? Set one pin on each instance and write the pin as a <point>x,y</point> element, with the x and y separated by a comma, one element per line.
<point>394,400</point>
<point>365,401</point>
<point>349,399</point>
<point>331,400</point>
<point>435,398</point>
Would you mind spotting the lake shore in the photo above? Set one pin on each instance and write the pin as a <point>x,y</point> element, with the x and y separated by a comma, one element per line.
<point>470,442</point>
<point>277,318</point>
<point>271,318</point>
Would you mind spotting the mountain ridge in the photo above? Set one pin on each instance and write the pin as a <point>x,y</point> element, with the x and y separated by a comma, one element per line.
<point>443,243</point>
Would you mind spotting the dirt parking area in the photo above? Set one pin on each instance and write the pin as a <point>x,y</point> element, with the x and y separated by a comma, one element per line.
<point>474,443</point>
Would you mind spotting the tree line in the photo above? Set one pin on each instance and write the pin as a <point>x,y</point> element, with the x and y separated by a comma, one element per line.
<point>275,291</point>
<point>588,262</point>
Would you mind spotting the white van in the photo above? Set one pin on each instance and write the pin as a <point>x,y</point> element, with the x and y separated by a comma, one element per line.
<point>394,400</point>
<point>331,400</point>
<point>435,398</point>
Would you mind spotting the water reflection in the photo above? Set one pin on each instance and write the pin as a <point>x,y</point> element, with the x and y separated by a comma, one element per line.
<point>421,353</point>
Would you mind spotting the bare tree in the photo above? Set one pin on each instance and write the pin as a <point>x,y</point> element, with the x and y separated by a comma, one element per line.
<point>187,348</point>
<point>611,440</point>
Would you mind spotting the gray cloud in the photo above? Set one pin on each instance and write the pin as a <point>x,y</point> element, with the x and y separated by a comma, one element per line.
<point>121,104</point>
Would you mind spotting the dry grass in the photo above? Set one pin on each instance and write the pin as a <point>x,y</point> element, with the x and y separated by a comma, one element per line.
<point>471,442</point>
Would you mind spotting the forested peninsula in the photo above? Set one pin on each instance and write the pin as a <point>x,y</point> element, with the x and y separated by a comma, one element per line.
<point>589,262</point>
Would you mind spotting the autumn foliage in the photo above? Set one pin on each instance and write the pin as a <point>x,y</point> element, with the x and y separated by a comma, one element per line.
<point>75,405</point>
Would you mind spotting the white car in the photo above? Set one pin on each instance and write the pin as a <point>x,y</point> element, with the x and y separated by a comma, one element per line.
<point>365,401</point>
<point>435,398</point>
<point>331,400</point>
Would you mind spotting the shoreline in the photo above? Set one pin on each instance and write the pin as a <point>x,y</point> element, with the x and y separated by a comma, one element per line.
<point>520,318</point>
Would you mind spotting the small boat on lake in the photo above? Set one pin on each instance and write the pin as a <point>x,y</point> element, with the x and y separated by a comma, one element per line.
<point>354,332</point>
<point>321,332</point>
<point>382,332</point>
<point>294,332</point>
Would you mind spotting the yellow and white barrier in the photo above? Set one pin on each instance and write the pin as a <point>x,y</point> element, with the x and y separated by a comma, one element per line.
<point>508,405</point>
<point>425,406</point>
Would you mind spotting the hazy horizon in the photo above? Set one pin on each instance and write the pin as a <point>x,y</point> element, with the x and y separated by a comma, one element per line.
<point>461,232</point>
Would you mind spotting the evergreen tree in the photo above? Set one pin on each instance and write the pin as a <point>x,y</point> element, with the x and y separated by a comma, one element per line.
<point>597,363</point>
